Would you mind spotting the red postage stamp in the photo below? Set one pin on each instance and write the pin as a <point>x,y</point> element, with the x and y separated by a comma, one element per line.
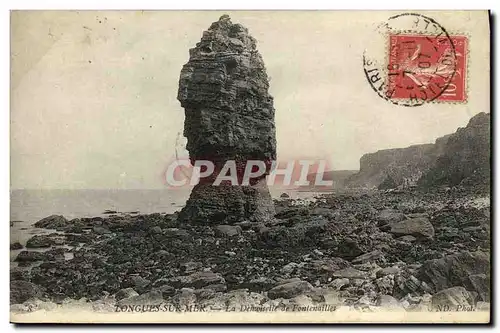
<point>427,68</point>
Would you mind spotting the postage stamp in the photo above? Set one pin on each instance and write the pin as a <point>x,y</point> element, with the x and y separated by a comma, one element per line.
<point>423,68</point>
<point>422,63</point>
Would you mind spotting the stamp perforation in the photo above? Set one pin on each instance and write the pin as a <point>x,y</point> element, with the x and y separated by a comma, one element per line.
<point>466,70</point>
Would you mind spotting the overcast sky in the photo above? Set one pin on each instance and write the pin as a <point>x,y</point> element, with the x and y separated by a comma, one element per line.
<point>93,100</point>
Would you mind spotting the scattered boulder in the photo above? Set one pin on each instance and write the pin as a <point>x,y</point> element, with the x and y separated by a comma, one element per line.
<point>285,281</point>
<point>225,230</point>
<point>202,279</point>
<point>349,248</point>
<point>54,254</point>
<point>156,230</point>
<point>388,302</point>
<point>16,246</point>
<point>17,273</point>
<point>385,284</point>
<point>185,297</point>
<point>481,284</point>
<point>327,265</point>
<point>374,256</point>
<point>290,290</point>
<point>190,267</point>
<point>125,293</point>
<point>197,280</point>
<point>390,216</point>
<point>21,291</point>
<point>259,284</point>
<point>388,271</point>
<point>337,284</point>
<point>177,233</point>
<point>320,211</point>
<point>350,273</point>
<point>247,225</point>
<point>300,234</point>
<point>29,256</point>
<point>139,283</point>
<point>290,212</point>
<point>79,238</point>
<point>407,238</point>
<point>318,252</point>
<point>166,290</point>
<point>52,222</point>
<point>455,270</point>
<point>410,284</point>
<point>39,241</point>
<point>418,227</point>
<point>289,268</point>
<point>100,230</point>
<point>219,287</point>
<point>43,241</point>
<point>454,299</point>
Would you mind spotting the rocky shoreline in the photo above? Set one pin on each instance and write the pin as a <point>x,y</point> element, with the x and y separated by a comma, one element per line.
<point>405,250</point>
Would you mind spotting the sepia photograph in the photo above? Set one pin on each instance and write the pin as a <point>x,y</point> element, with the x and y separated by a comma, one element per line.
<point>189,166</point>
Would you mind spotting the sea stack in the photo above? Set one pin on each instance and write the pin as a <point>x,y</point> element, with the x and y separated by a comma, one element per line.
<point>229,116</point>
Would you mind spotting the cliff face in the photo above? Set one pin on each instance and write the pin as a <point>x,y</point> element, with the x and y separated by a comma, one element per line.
<point>461,157</point>
<point>223,89</point>
<point>466,156</point>
<point>393,167</point>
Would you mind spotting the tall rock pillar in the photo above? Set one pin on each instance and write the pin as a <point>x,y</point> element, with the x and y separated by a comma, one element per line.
<point>229,116</point>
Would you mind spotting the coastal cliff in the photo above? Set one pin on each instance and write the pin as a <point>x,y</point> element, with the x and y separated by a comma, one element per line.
<point>462,157</point>
<point>466,156</point>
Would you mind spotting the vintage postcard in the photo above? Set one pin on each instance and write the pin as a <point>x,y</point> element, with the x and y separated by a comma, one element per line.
<point>250,167</point>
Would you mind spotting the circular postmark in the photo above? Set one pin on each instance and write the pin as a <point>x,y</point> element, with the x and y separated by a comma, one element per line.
<point>411,60</point>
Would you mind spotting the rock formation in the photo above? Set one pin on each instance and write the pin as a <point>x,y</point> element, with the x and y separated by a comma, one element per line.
<point>393,167</point>
<point>229,116</point>
<point>466,157</point>
<point>459,158</point>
